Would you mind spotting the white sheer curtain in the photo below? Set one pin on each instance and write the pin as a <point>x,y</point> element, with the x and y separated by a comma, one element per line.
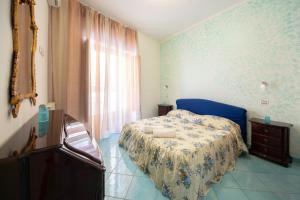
<point>114,74</point>
<point>102,63</point>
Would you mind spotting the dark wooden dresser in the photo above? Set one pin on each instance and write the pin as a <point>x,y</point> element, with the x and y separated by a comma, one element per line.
<point>55,160</point>
<point>163,109</point>
<point>271,141</point>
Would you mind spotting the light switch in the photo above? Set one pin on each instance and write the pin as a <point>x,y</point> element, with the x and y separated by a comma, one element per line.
<point>264,101</point>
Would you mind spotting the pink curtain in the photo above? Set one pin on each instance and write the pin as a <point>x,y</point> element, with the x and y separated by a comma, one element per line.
<point>94,68</point>
<point>67,74</point>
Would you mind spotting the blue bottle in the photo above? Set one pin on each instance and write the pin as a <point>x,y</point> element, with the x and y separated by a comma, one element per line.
<point>267,119</point>
<point>43,118</point>
<point>43,113</point>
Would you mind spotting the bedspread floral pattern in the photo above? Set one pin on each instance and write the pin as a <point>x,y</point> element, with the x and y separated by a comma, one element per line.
<point>204,149</point>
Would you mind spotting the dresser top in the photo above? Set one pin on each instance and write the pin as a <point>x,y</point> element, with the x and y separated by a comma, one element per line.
<point>272,123</point>
<point>30,133</point>
<point>60,132</point>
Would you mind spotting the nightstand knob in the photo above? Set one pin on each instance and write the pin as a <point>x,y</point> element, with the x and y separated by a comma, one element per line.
<point>266,130</point>
<point>266,140</point>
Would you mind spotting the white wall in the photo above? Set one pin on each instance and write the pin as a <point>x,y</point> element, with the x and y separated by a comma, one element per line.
<point>7,123</point>
<point>150,74</point>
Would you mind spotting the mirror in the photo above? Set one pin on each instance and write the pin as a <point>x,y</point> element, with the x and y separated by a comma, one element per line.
<point>25,43</point>
<point>23,84</point>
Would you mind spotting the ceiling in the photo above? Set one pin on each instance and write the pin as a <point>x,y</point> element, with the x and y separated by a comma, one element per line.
<point>160,18</point>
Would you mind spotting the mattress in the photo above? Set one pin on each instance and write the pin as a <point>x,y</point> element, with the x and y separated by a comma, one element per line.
<point>184,167</point>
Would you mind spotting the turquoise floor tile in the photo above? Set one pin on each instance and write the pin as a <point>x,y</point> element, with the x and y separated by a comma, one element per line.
<point>248,180</point>
<point>252,164</point>
<point>291,180</point>
<point>285,196</point>
<point>107,174</point>
<point>113,151</point>
<point>133,168</point>
<point>140,173</point>
<point>161,197</point>
<point>113,138</point>
<point>142,188</point>
<point>294,169</point>
<point>230,194</point>
<point>125,157</point>
<point>228,181</point>
<point>117,185</point>
<point>256,195</point>
<point>125,167</point>
<point>110,163</point>
<point>111,198</point>
<point>211,195</point>
<point>273,168</point>
<point>104,145</point>
<point>281,183</point>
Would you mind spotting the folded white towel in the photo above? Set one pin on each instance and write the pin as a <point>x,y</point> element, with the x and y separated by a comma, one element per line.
<point>164,133</point>
<point>149,129</point>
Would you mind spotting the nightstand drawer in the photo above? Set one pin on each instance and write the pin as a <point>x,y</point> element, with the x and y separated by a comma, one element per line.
<point>268,151</point>
<point>257,138</point>
<point>274,132</point>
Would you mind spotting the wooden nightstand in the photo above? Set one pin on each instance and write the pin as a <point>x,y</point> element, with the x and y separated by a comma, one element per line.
<point>163,109</point>
<point>271,141</point>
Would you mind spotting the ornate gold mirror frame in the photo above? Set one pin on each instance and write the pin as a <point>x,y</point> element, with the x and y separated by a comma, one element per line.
<point>16,97</point>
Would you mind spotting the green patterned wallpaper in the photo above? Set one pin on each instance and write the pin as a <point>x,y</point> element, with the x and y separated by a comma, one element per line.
<point>226,58</point>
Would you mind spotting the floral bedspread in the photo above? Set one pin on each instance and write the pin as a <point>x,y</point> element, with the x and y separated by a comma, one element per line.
<point>204,149</point>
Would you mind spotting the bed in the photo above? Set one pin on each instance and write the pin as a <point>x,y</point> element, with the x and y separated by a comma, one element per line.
<point>209,138</point>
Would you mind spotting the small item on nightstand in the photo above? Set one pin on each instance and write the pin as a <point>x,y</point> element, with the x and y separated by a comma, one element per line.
<point>163,109</point>
<point>267,119</point>
<point>271,140</point>
<point>43,113</point>
<point>43,120</point>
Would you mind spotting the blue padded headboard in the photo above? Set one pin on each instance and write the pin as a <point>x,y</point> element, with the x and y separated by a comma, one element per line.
<point>208,107</point>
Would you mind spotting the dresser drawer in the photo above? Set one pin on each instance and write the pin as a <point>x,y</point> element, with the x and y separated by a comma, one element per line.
<point>266,140</point>
<point>267,151</point>
<point>269,131</point>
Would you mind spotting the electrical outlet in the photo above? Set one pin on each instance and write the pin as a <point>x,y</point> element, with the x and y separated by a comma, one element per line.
<point>51,105</point>
<point>264,101</point>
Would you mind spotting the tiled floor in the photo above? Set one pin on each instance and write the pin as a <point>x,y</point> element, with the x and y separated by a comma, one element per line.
<point>253,179</point>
